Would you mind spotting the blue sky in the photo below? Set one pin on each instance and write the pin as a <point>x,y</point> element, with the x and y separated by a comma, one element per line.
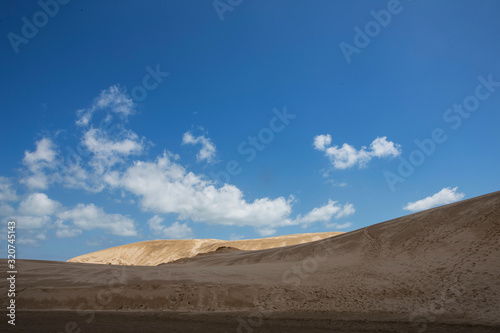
<point>200,119</point>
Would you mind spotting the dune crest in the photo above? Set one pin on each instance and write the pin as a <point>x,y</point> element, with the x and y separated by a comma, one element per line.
<point>156,252</point>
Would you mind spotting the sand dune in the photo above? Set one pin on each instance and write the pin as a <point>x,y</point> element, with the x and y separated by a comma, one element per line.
<point>436,267</point>
<point>152,253</point>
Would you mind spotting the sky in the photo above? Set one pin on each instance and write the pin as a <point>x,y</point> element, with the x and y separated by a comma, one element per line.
<point>234,119</point>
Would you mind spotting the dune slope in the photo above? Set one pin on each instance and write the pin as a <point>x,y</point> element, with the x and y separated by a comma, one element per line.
<point>152,253</point>
<point>440,265</point>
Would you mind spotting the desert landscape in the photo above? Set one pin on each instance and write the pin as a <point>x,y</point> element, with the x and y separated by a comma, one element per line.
<point>432,271</point>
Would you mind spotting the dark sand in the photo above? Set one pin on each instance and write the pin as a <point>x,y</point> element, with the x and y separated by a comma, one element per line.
<point>433,271</point>
<point>150,321</point>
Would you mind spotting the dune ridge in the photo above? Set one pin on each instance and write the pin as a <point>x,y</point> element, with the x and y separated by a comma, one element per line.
<point>155,252</point>
<point>436,266</point>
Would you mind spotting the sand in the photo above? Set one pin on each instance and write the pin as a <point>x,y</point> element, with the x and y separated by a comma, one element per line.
<point>156,252</point>
<point>433,271</point>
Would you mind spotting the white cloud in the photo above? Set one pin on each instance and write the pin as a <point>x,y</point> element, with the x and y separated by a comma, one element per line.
<point>38,204</point>
<point>95,241</point>
<point>109,151</point>
<point>178,231</point>
<point>38,163</point>
<point>162,186</point>
<point>347,156</point>
<point>207,151</point>
<point>322,141</point>
<point>99,143</point>
<point>44,153</point>
<point>31,222</point>
<point>89,217</point>
<point>75,176</point>
<point>107,146</point>
<point>7,193</point>
<point>35,212</point>
<point>174,231</point>
<point>68,233</point>
<point>166,187</point>
<point>266,232</point>
<point>234,237</point>
<point>326,213</point>
<point>445,196</point>
<point>380,147</point>
<point>347,210</point>
<point>155,224</point>
<point>6,210</point>
<point>116,100</point>
<point>84,117</point>
<point>334,183</point>
<point>113,99</point>
<point>102,149</point>
<point>338,226</point>
<point>31,238</point>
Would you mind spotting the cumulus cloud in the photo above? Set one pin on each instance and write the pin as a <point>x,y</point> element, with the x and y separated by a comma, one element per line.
<point>38,204</point>
<point>6,210</point>
<point>163,186</point>
<point>68,233</point>
<point>321,142</point>
<point>107,146</point>
<point>44,153</point>
<point>87,217</point>
<point>108,151</point>
<point>100,144</point>
<point>7,192</point>
<point>39,164</point>
<point>207,151</point>
<point>166,187</point>
<point>178,231</point>
<point>347,156</point>
<point>34,212</point>
<point>174,231</point>
<point>31,238</point>
<point>75,176</point>
<point>380,147</point>
<point>31,222</point>
<point>338,225</point>
<point>155,224</point>
<point>38,211</point>
<point>326,213</point>
<point>445,196</point>
<point>234,237</point>
<point>114,99</point>
<point>103,148</point>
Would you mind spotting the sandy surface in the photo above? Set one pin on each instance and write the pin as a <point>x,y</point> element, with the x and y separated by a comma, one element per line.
<point>245,322</point>
<point>152,253</point>
<point>433,271</point>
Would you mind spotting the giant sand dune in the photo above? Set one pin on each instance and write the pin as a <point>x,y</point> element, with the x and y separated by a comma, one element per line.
<point>152,253</point>
<point>433,271</point>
